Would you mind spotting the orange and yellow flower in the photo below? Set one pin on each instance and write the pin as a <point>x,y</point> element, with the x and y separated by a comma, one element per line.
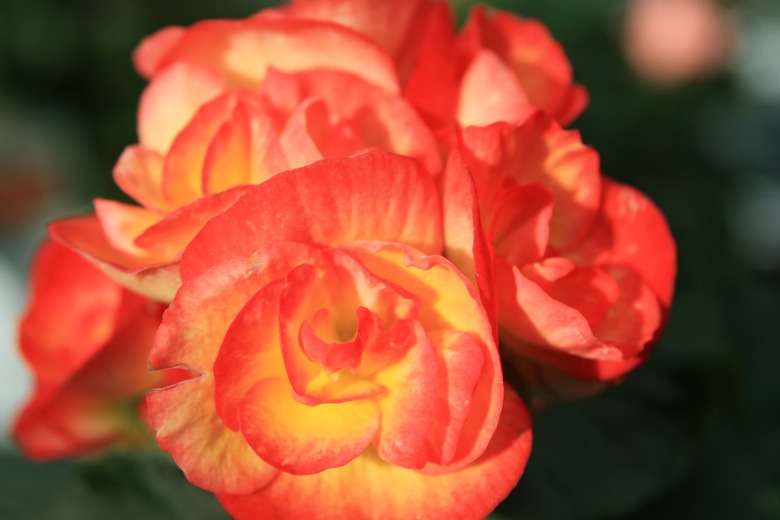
<point>328,364</point>
<point>229,105</point>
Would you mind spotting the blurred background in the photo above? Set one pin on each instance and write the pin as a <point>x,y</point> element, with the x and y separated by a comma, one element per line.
<point>685,105</point>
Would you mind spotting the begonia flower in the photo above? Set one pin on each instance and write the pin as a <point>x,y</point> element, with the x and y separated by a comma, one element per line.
<point>500,67</point>
<point>86,340</point>
<point>579,268</point>
<point>343,373</point>
<point>216,118</point>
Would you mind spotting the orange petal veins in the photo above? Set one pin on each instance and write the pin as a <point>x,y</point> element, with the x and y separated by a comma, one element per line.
<point>369,488</point>
<point>375,195</point>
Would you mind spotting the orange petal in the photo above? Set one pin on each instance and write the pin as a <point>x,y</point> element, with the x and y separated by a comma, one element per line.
<point>61,311</point>
<point>184,416</point>
<point>170,101</point>
<point>250,349</point>
<point>123,223</point>
<point>157,281</point>
<point>538,61</point>
<point>167,238</point>
<point>447,301</point>
<point>302,439</point>
<point>296,140</point>
<point>529,314</point>
<point>539,151</point>
<point>370,488</point>
<point>183,167</point>
<point>431,69</point>
<point>521,223</point>
<point>490,93</point>
<point>385,22</point>
<point>244,50</point>
<point>461,359</point>
<point>408,407</point>
<point>632,232</point>
<point>371,196</point>
<point>138,172</point>
<point>147,56</point>
<point>465,243</point>
<point>245,150</point>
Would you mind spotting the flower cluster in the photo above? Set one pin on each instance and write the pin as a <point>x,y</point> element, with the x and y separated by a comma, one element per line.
<point>349,215</point>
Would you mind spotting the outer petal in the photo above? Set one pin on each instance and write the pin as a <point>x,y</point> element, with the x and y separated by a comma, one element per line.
<point>147,56</point>
<point>490,93</point>
<point>433,74</point>
<point>371,196</point>
<point>386,22</point>
<point>370,488</point>
<point>168,237</point>
<point>61,311</point>
<point>537,59</point>
<point>632,232</point>
<point>85,235</point>
<point>95,409</point>
<point>465,243</point>
<point>184,416</point>
<point>539,151</point>
<point>244,50</point>
<point>381,119</point>
<point>138,172</point>
<point>171,99</point>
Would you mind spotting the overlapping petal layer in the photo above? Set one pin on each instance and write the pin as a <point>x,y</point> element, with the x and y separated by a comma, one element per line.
<point>582,267</point>
<point>316,358</point>
<point>86,340</point>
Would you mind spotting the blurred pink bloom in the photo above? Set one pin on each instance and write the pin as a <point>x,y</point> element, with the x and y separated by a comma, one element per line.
<point>672,41</point>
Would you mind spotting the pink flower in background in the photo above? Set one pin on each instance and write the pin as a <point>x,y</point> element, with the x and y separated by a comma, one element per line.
<point>673,41</point>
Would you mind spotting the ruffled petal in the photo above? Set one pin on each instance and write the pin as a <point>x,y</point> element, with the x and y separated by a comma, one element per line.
<point>171,99</point>
<point>371,196</point>
<point>370,488</point>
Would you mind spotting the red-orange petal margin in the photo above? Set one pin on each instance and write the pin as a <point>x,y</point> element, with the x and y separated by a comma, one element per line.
<point>369,488</point>
<point>372,196</point>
